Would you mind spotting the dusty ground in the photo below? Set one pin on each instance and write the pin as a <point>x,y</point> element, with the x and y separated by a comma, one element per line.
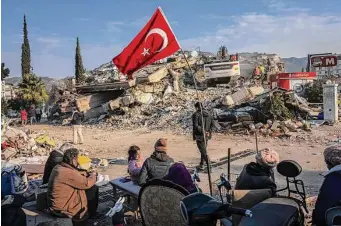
<point>305,148</point>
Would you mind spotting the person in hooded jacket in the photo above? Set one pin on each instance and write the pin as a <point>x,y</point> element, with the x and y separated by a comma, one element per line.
<point>330,191</point>
<point>198,134</point>
<point>259,174</point>
<point>55,158</point>
<point>157,165</point>
<point>178,174</point>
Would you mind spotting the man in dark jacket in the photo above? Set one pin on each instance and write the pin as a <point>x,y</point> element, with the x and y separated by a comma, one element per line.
<point>77,118</point>
<point>157,165</point>
<point>32,114</point>
<point>259,174</point>
<point>330,192</point>
<point>55,158</point>
<point>200,135</point>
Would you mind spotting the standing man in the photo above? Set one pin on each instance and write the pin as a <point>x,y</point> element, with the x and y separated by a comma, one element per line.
<point>38,114</point>
<point>202,132</point>
<point>77,118</point>
<point>32,114</point>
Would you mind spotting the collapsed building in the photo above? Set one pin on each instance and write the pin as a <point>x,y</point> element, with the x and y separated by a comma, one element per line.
<point>162,96</point>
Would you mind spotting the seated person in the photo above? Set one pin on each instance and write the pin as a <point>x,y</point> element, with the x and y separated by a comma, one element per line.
<point>67,189</point>
<point>259,174</point>
<point>179,175</point>
<point>135,162</point>
<point>330,192</point>
<point>157,165</point>
<point>55,158</point>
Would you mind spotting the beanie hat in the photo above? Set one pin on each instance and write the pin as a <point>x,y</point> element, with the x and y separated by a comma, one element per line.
<point>267,157</point>
<point>332,155</point>
<point>161,145</point>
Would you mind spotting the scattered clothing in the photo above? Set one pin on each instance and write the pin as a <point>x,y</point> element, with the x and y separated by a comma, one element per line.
<point>179,174</point>
<point>157,165</point>
<point>256,176</point>
<point>329,195</point>
<point>66,191</point>
<point>11,212</point>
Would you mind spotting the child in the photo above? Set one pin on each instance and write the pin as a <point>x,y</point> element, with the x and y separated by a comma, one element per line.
<point>135,162</point>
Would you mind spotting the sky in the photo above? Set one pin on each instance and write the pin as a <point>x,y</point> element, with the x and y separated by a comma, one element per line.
<point>287,27</point>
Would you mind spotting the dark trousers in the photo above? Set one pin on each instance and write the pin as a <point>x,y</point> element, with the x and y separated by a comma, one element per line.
<point>38,117</point>
<point>202,149</point>
<point>92,196</point>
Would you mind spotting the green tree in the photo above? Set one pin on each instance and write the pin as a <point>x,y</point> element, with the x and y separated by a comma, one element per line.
<point>4,71</point>
<point>25,52</point>
<point>79,69</point>
<point>32,89</point>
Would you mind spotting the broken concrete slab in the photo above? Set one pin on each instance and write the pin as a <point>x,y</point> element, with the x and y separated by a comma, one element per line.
<point>143,98</point>
<point>114,104</point>
<point>127,100</point>
<point>94,113</point>
<point>256,90</point>
<point>158,75</point>
<point>86,103</point>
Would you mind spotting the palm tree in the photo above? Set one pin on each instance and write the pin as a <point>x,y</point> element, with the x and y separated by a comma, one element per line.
<point>32,89</point>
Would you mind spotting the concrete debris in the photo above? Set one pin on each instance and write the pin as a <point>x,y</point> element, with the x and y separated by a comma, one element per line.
<point>17,143</point>
<point>162,97</point>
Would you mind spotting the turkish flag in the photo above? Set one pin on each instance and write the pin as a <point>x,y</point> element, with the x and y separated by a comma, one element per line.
<point>154,42</point>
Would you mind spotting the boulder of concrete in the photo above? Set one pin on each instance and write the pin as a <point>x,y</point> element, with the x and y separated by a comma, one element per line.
<point>256,90</point>
<point>241,96</point>
<point>158,75</point>
<point>228,101</point>
<point>143,98</point>
<point>127,100</point>
<point>146,88</point>
<point>114,104</point>
<point>94,113</point>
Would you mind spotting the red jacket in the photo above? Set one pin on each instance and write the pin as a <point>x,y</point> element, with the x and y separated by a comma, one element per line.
<point>23,114</point>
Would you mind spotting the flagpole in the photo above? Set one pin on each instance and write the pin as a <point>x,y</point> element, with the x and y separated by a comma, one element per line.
<point>208,163</point>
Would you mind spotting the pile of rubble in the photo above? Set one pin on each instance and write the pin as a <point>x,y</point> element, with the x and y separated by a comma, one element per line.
<point>162,97</point>
<point>17,143</point>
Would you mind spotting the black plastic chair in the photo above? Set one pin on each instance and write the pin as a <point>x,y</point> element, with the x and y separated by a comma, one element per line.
<point>290,170</point>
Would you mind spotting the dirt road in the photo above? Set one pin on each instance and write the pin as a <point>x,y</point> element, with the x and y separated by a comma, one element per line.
<point>308,151</point>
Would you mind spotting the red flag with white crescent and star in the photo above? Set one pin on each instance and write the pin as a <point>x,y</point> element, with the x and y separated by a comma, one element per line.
<point>154,42</point>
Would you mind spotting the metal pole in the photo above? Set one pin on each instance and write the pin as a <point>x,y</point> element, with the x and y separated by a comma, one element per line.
<point>256,142</point>
<point>208,163</point>
<point>229,164</point>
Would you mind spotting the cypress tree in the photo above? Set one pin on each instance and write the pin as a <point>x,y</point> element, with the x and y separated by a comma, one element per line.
<point>25,52</point>
<point>79,69</point>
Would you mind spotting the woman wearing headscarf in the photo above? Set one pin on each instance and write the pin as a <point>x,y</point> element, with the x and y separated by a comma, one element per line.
<point>330,191</point>
<point>259,174</point>
<point>178,174</point>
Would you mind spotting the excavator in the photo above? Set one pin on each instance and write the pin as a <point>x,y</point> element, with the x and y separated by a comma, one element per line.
<point>221,69</point>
